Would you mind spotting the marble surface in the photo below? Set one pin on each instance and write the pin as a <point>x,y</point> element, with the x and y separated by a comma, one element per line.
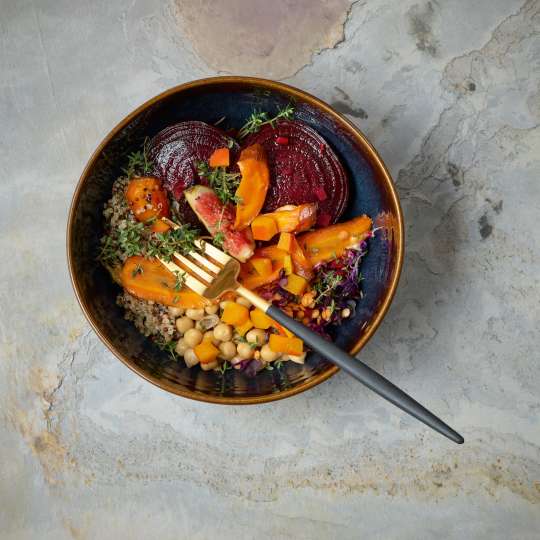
<point>448,92</point>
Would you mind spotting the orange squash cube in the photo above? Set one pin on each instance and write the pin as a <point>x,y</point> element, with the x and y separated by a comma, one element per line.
<point>288,265</point>
<point>206,352</point>
<point>235,314</point>
<point>263,228</point>
<point>242,329</point>
<point>260,319</point>
<point>219,158</point>
<point>285,241</point>
<point>286,345</point>
<point>262,265</point>
<point>296,284</point>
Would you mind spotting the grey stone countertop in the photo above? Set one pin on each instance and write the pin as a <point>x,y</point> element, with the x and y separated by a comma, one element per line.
<point>448,92</point>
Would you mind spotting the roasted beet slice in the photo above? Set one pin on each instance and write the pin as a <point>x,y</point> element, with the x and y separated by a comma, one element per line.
<point>177,149</point>
<point>303,169</point>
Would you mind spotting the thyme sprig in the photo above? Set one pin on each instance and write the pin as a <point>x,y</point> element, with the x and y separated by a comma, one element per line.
<point>224,367</point>
<point>138,162</point>
<point>222,182</point>
<point>136,239</point>
<point>326,284</point>
<point>168,346</point>
<point>258,119</point>
<point>218,239</point>
<point>164,244</point>
<point>180,280</point>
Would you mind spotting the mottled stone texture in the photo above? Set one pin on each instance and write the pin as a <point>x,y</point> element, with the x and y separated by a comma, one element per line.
<point>448,91</point>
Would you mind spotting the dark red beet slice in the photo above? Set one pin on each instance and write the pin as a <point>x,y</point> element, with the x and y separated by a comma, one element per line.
<point>303,169</point>
<point>177,149</point>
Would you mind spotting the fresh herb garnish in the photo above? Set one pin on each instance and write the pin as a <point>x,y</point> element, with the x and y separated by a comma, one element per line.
<point>261,118</point>
<point>222,182</point>
<point>180,280</point>
<point>168,346</point>
<point>138,162</point>
<point>165,244</point>
<point>224,367</point>
<point>242,339</point>
<point>326,283</point>
<point>136,239</point>
<point>218,240</point>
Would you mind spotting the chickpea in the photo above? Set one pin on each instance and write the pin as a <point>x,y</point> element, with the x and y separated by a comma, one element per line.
<point>190,358</point>
<point>209,365</point>
<point>267,354</point>
<point>227,350</point>
<point>212,309</point>
<point>244,351</point>
<point>175,311</point>
<point>308,299</point>
<point>195,314</point>
<point>256,336</point>
<point>243,302</point>
<point>236,361</point>
<point>193,337</point>
<point>223,332</point>
<point>181,346</point>
<point>184,324</point>
<point>209,336</point>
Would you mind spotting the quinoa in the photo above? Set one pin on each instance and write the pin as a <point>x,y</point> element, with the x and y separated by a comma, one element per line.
<point>116,210</point>
<point>150,318</point>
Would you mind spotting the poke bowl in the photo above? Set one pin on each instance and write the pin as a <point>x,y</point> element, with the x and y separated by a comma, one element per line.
<point>199,141</point>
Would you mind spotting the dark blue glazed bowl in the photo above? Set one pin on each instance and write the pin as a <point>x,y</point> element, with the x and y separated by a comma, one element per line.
<point>372,192</point>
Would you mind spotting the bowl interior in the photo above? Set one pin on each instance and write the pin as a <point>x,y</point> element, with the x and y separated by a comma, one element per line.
<point>371,193</point>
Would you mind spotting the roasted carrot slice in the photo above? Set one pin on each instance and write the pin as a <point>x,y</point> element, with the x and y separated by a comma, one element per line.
<point>147,199</point>
<point>148,279</point>
<point>325,244</point>
<point>296,218</point>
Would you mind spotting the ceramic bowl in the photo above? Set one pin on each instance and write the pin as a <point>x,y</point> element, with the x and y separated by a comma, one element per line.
<point>372,192</point>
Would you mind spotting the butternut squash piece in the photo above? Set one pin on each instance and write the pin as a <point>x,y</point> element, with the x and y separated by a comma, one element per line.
<point>296,284</point>
<point>242,329</point>
<point>253,186</point>
<point>286,345</point>
<point>206,352</point>
<point>235,314</point>
<point>219,158</point>
<point>263,228</point>
<point>262,265</point>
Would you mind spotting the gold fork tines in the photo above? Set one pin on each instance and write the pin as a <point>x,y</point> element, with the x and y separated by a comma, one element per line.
<point>210,278</point>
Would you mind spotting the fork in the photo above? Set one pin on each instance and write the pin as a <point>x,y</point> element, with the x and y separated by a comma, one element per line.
<point>213,274</point>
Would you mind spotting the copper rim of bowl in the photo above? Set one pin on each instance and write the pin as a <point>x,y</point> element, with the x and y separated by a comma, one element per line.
<point>371,155</point>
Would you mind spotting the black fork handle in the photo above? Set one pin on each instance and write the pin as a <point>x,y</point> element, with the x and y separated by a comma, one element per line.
<point>365,375</point>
